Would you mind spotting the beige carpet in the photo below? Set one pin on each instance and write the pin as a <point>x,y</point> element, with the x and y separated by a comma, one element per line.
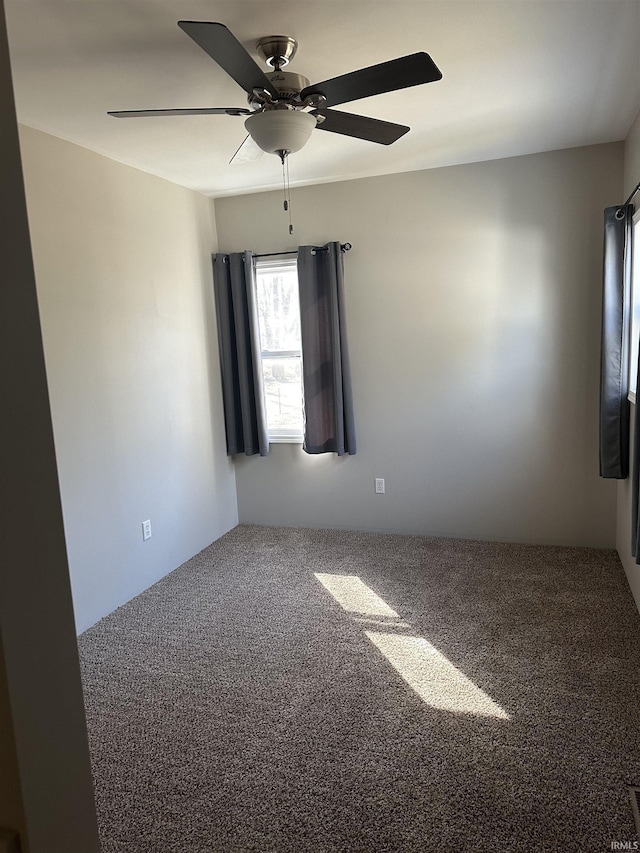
<point>295,690</point>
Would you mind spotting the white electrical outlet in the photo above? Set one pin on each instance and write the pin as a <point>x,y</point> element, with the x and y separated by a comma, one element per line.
<point>146,529</point>
<point>379,486</point>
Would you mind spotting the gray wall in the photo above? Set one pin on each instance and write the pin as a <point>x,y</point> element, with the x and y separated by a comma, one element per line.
<point>45,778</point>
<point>123,272</point>
<point>623,539</point>
<point>473,310</point>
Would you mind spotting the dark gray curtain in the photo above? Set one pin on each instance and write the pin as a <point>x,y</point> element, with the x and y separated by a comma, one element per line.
<point>239,342</point>
<point>635,482</point>
<point>328,403</point>
<point>614,405</point>
<point>635,475</point>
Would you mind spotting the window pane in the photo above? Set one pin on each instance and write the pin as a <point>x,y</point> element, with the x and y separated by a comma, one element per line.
<point>278,308</point>
<point>283,393</point>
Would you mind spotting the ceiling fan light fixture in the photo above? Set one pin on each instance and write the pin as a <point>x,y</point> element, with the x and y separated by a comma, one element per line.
<point>280,130</point>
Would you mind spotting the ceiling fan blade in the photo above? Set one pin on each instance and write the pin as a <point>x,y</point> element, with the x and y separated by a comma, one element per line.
<point>412,70</point>
<point>225,49</point>
<point>204,111</point>
<point>246,152</point>
<point>383,132</point>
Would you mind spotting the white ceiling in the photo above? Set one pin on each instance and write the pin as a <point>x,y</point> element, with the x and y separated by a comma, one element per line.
<point>519,76</point>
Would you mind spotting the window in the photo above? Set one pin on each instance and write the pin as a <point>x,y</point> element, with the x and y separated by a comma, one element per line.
<point>280,348</point>
<point>635,306</point>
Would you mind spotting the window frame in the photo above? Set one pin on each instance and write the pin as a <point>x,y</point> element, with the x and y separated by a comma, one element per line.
<point>280,435</point>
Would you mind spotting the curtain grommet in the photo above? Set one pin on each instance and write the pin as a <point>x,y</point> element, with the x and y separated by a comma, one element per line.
<point>621,213</point>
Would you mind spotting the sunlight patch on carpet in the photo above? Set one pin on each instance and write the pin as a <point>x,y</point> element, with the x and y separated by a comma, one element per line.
<point>381,622</point>
<point>433,677</point>
<point>355,596</point>
<point>426,670</point>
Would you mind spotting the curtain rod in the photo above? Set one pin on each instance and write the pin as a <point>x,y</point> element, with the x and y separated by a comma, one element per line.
<point>345,247</point>
<point>637,189</point>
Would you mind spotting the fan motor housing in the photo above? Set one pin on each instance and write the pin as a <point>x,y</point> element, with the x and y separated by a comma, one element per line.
<point>288,84</point>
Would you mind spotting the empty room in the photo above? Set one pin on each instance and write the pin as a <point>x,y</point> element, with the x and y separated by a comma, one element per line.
<point>320,482</point>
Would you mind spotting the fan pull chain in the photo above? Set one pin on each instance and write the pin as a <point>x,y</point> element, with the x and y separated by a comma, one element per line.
<point>288,205</point>
<point>286,186</point>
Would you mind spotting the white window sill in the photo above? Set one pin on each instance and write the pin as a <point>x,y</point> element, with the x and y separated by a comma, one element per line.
<point>285,439</point>
<point>631,397</point>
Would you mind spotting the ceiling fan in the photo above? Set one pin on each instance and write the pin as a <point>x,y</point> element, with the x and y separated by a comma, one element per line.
<point>284,107</point>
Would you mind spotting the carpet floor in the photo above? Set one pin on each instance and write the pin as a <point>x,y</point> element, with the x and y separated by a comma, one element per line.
<point>295,690</point>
